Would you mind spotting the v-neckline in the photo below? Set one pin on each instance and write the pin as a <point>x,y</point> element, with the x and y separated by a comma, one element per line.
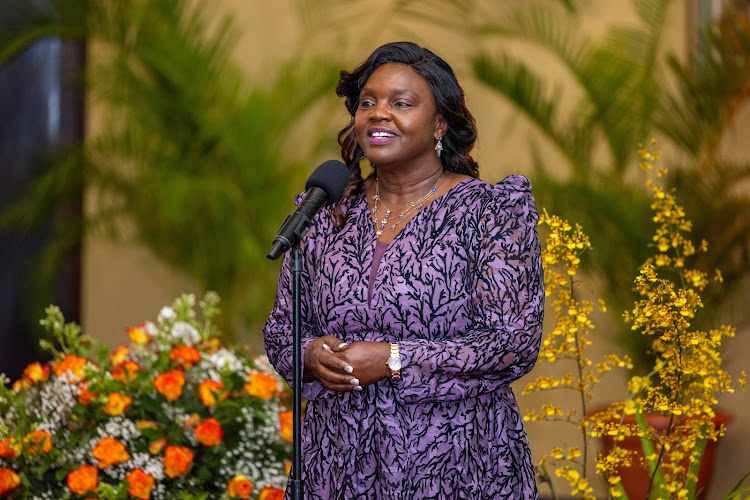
<point>406,225</point>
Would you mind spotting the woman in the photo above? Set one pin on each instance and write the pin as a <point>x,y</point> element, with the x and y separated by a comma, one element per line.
<point>422,301</point>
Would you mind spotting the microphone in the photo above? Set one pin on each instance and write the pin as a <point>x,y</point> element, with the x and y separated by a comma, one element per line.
<point>324,186</point>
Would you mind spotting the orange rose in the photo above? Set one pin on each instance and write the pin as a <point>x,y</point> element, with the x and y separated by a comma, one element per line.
<point>140,484</point>
<point>138,334</point>
<point>147,424</point>
<point>21,384</point>
<point>117,404</point>
<point>209,432</point>
<point>126,372</point>
<point>156,446</point>
<point>209,389</point>
<point>36,373</point>
<point>37,438</point>
<point>170,384</point>
<point>119,355</point>
<point>185,355</point>
<point>73,364</point>
<point>109,451</point>
<point>240,487</point>
<point>192,420</point>
<point>84,396</point>
<point>177,460</point>
<point>261,385</point>
<point>83,479</point>
<point>9,481</point>
<point>269,493</point>
<point>8,450</point>
<point>210,346</point>
<point>286,418</point>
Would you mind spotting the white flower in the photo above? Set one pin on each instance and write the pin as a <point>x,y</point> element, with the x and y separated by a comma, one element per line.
<point>224,360</point>
<point>186,332</point>
<point>151,328</point>
<point>120,428</point>
<point>167,313</point>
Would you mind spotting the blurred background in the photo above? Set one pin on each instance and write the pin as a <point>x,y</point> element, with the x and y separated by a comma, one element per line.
<point>153,147</point>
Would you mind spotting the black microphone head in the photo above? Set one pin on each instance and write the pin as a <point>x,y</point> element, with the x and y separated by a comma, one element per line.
<point>331,176</point>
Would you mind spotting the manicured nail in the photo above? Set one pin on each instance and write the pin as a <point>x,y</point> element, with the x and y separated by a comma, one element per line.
<point>358,388</point>
<point>325,346</point>
<point>343,344</point>
<point>354,381</point>
<point>348,369</point>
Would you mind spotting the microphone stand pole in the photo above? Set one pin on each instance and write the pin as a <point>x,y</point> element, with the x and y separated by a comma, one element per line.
<point>298,485</point>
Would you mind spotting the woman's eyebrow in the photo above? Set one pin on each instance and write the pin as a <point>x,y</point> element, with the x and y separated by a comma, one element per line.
<point>369,90</point>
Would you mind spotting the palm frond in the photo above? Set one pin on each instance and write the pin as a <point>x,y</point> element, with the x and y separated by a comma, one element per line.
<point>527,91</point>
<point>192,155</point>
<point>713,86</point>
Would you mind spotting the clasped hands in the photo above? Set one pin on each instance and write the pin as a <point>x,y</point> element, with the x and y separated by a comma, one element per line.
<point>342,367</point>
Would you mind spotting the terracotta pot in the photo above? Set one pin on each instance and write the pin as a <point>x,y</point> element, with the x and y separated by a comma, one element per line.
<point>635,479</point>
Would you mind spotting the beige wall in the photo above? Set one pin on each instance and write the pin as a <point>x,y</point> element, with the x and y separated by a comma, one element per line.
<point>124,284</point>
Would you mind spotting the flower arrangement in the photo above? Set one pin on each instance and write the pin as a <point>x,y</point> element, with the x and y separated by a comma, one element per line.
<point>173,414</point>
<point>683,385</point>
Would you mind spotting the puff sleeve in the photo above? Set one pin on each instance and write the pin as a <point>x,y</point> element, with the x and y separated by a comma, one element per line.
<point>502,341</point>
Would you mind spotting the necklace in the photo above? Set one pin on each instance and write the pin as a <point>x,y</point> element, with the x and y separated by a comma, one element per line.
<point>385,220</point>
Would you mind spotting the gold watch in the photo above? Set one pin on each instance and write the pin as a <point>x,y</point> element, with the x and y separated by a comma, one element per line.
<point>394,362</point>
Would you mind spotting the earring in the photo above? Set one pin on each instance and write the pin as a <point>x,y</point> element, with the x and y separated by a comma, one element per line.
<point>439,146</point>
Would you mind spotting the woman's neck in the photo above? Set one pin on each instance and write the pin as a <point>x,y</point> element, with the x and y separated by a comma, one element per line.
<point>398,187</point>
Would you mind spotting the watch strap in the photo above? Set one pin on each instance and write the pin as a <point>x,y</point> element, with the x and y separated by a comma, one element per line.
<point>396,357</point>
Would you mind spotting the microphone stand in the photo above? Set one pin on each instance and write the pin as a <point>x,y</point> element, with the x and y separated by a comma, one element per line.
<point>298,485</point>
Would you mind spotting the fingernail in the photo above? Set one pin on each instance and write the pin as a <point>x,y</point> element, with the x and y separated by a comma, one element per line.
<point>325,346</point>
<point>348,369</point>
<point>358,388</point>
<point>354,381</point>
<point>343,344</point>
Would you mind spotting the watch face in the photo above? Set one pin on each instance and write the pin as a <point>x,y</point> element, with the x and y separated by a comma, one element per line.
<point>394,363</point>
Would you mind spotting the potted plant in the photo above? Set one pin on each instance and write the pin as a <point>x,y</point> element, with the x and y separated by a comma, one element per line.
<point>681,388</point>
<point>192,154</point>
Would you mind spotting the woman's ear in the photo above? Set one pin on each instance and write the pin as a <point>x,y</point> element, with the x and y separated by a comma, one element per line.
<point>441,127</point>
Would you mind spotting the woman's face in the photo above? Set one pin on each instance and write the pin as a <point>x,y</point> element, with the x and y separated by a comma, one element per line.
<point>397,120</point>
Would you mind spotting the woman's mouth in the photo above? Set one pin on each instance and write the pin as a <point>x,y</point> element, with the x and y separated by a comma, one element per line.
<point>380,136</point>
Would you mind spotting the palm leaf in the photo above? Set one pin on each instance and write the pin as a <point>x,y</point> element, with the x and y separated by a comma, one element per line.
<point>191,157</point>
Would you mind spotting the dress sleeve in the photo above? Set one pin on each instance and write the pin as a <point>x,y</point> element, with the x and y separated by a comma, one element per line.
<point>507,309</point>
<point>278,331</point>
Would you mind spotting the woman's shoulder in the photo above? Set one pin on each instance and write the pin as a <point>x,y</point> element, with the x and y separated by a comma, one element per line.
<point>512,191</point>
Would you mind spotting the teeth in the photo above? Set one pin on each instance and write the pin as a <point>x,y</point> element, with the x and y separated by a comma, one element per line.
<point>382,134</point>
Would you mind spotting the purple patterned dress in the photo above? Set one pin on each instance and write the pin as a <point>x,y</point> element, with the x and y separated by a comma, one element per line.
<point>461,290</point>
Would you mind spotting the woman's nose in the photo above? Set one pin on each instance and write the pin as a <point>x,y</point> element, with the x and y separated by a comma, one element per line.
<point>380,112</point>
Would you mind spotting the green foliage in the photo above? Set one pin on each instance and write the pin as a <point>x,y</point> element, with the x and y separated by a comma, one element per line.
<point>192,158</point>
<point>623,101</point>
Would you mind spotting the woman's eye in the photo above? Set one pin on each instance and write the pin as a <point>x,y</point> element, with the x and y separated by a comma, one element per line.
<point>365,104</point>
<point>401,104</point>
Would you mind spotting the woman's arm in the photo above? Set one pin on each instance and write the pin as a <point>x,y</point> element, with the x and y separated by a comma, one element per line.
<point>322,370</point>
<point>508,310</point>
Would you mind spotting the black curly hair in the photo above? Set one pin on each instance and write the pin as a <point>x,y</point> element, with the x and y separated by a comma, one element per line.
<point>458,140</point>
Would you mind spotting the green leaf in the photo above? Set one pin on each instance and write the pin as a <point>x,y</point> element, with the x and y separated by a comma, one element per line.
<point>692,478</point>
<point>737,490</point>
<point>654,468</point>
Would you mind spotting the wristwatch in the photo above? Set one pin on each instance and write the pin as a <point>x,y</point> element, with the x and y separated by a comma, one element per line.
<point>394,363</point>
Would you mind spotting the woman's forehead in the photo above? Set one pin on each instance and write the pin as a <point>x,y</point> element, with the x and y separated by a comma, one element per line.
<point>395,76</point>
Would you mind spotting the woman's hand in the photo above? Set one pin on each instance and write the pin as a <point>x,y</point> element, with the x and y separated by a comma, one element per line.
<point>328,368</point>
<point>368,360</point>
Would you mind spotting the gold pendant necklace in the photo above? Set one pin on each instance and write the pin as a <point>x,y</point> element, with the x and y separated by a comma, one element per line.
<point>385,220</point>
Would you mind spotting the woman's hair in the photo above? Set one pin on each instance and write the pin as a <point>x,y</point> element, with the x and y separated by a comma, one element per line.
<point>457,141</point>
